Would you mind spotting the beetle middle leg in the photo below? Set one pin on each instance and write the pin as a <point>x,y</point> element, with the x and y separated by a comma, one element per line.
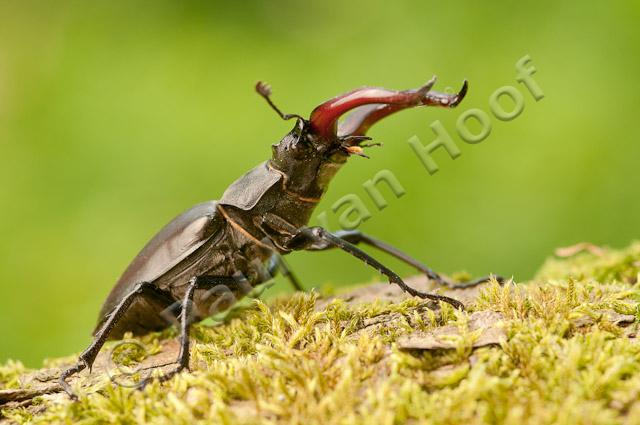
<point>355,237</point>
<point>277,263</point>
<point>317,238</point>
<point>187,318</point>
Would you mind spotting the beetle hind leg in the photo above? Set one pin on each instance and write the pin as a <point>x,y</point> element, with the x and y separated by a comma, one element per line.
<point>88,356</point>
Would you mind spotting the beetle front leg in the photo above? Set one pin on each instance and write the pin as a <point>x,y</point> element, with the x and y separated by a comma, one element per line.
<point>356,237</point>
<point>317,238</point>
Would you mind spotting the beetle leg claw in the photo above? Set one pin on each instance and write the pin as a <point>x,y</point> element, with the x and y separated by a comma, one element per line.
<point>68,373</point>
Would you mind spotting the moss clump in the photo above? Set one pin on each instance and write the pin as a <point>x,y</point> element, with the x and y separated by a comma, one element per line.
<point>569,356</point>
<point>608,265</point>
<point>10,374</point>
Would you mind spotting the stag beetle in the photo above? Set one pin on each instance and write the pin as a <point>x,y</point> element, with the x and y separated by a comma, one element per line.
<point>212,249</point>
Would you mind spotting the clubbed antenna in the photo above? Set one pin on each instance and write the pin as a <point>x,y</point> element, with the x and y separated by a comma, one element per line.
<point>264,90</point>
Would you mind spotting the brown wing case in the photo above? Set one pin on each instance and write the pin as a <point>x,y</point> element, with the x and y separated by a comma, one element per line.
<point>182,236</point>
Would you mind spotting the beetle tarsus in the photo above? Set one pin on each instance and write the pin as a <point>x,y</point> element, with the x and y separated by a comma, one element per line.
<point>471,283</point>
<point>66,374</point>
<point>85,361</point>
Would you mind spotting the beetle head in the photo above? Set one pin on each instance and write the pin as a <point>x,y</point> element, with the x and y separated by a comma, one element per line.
<point>317,147</point>
<point>308,165</point>
<point>323,134</point>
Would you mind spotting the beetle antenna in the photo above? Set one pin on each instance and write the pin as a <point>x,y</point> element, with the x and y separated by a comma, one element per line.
<point>264,90</point>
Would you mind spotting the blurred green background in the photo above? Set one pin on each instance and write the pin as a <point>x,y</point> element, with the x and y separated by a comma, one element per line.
<point>117,115</point>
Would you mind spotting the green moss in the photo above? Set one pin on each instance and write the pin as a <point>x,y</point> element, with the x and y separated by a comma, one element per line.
<point>9,374</point>
<point>566,360</point>
<point>612,266</point>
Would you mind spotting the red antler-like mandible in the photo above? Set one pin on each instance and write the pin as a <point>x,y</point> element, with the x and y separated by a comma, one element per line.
<point>324,118</point>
